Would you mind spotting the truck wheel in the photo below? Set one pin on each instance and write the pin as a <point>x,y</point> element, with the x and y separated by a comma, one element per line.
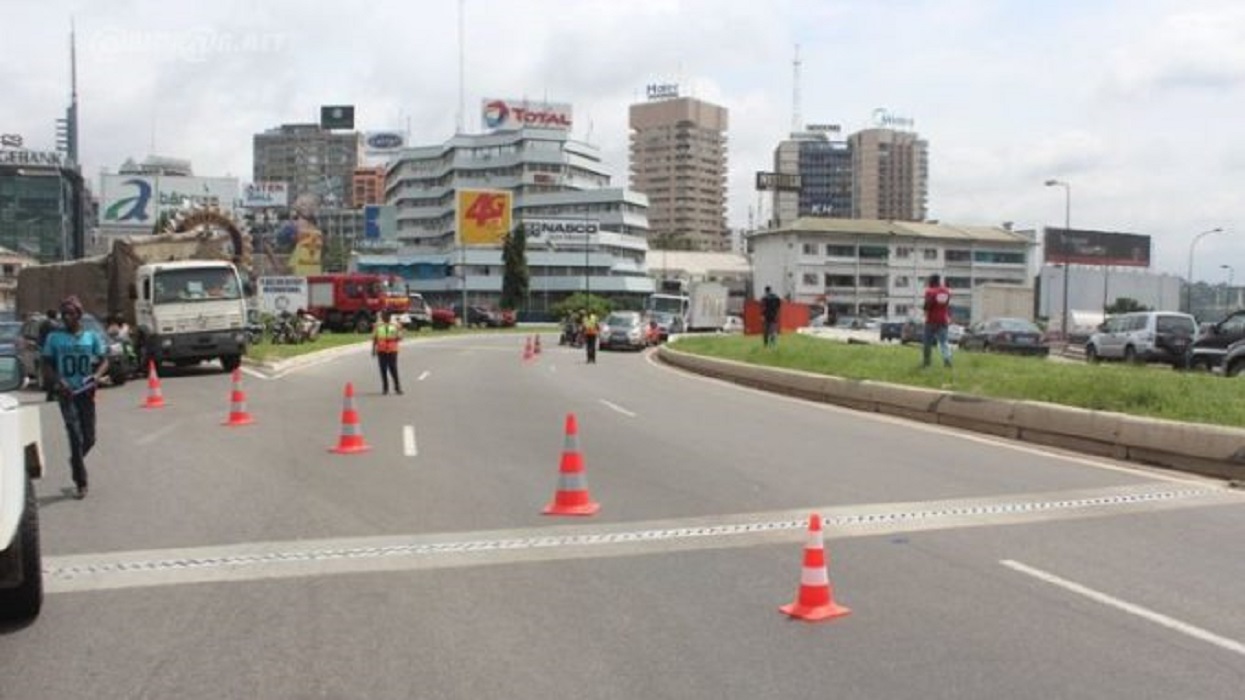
<point>230,362</point>
<point>362,324</point>
<point>24,601</point>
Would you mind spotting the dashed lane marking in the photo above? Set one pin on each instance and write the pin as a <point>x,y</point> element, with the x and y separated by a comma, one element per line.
<point>618,408</point>
<point>408,441</point>
<point>275,560</point>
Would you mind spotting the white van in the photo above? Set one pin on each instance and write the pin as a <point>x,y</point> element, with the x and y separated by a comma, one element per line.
<point>1143,336</point>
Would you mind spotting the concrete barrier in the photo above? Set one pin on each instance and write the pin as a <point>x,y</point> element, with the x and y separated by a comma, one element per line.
<point>1216,451</point>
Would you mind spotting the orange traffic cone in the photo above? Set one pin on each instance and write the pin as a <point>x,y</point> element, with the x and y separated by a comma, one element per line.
<point>237,403</point>
<point>536,345</point>
<point>154,398</point>
<point>815,602</point>
<point>351,440</point>
<point>572,495</point>
<point>527,350</point>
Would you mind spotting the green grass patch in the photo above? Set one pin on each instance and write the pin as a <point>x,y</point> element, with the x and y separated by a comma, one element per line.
<point>1152,391</point>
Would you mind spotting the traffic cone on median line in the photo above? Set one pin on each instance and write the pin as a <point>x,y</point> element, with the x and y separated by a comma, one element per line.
<point>155,399</point>
<point>815,601</point>
<point>351,440</point>
<point>237,403</point>
<point>572,495</point>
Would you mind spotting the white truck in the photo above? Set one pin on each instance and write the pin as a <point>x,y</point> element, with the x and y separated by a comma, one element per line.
<point>701,305</point>
<point>21,462</point>
<point>179,292</point>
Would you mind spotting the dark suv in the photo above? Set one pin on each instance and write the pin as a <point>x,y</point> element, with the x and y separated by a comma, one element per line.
<point>1234,360</point>
<point>1208,350</point>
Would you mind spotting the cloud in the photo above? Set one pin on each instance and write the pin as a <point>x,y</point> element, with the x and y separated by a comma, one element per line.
<point>1185,51</point>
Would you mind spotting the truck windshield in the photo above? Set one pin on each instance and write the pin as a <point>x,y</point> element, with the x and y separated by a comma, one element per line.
<point>198,284</point>
<point>669,303</point>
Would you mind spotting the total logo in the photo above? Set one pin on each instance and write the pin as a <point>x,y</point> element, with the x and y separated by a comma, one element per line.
<point>498,114</point>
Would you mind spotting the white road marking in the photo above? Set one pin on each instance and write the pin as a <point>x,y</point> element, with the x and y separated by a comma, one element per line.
<point>408,441</point>
<point>424,375</point>
<point>1130,608</point>
<point>618,408</point>
<point>253,373</point>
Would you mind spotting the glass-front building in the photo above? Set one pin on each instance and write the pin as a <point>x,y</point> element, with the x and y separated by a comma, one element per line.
<point>41,210</point>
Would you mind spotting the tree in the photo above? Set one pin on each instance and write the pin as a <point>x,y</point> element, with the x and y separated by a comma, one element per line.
<point>516,279</point>
<point>1125,305</point>
<point>580,301</point>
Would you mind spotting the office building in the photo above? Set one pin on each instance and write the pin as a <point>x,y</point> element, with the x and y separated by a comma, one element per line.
<point>315,162</point>
<point>868,267</point>
<point>678,159</point>
<point>890,175</point>
<point>823,163</point>
<point>43,205</point>
<point>368,186</point>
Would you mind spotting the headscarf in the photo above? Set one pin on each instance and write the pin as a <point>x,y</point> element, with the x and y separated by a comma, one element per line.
<point>71,303</point>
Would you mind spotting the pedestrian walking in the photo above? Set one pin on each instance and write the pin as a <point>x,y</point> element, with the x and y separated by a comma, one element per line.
<point>591,328</point>
<point>385,339</point>
<point>937,318</point>
<point>74,363</point>
<point>771,307</point>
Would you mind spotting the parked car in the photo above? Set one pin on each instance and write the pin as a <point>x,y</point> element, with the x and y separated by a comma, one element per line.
<point>891,329</point>
<point>1143,336</point>
<point>10,335</point>
<point>1234,360</point>
<point>668,324</point>
<point>442,318</point>
<point>914,332</point>
<point>419,314</point>
<point>625,330</point>
<point>478,316</point>
<point>1208,350</point>
<point>1012,335</point>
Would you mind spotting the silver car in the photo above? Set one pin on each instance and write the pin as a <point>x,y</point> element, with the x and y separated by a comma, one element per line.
<point>623,329</point>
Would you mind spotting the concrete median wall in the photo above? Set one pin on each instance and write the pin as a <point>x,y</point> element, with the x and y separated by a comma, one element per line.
<point>1209,450</point>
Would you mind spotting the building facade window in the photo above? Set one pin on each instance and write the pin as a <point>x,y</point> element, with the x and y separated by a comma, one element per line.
<point>840,251</point>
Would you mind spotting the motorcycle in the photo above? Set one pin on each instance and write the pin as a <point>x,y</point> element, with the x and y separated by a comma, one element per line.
<point>572,335</point>
<point>284,330</point>
<point>308,328</point>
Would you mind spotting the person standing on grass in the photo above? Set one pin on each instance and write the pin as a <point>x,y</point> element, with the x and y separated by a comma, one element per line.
<point>385,339</point>
<point>937,318</point>
<point>771,307</point>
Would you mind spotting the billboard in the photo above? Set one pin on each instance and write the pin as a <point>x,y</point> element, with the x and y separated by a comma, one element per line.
<point>277,294</point>
<point>505,114</point>
<point>337,117</point>
<point>380,222</point>
<point>550,232</point>
<point>138,200</point>
<point>383,142</point>
<point>780,182</point>
<point>482,216</point>
<point>265,195</point>
<point>1080,247</point>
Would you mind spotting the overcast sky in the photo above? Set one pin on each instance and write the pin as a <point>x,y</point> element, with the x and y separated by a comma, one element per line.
<point>1137,105</point>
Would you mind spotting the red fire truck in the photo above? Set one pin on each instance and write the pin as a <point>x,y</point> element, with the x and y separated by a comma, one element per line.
<point>354,301</point>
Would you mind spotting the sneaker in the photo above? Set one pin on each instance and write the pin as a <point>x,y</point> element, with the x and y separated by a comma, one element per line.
<point>80,493</point>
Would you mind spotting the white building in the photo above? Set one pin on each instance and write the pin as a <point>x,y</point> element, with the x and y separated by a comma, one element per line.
<point>868,267</point>
<point>582,233</point>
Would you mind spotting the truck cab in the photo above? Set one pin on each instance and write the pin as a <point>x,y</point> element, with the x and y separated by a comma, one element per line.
<point>21,463</point>
<point>189,311</point>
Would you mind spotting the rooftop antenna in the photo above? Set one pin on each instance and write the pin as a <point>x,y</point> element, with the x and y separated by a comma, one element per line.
<point>462,100</point>
<point>795,91</point>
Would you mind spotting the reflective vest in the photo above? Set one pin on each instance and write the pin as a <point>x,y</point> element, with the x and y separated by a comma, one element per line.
<point>386,337</point>
<point>590,325</point>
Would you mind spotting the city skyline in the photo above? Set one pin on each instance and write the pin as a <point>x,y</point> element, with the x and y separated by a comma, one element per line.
<point>1130,107</point>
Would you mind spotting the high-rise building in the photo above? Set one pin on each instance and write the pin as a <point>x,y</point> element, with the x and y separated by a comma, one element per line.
<point>824,165</point>
<point>678,159</point>
<point>890,178</point>
<point>43,204</point>
<point>368,186</point>
<point>313,161</point>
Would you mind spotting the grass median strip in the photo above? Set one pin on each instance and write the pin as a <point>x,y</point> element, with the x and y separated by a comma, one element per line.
<point>1152,392</point>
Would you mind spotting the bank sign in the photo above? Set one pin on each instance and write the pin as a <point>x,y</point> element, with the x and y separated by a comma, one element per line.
<point>138,200</point>
<point>546,232</point>
<point>508,115</point>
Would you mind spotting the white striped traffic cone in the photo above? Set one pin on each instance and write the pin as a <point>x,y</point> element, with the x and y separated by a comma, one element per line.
<point>815,601</point>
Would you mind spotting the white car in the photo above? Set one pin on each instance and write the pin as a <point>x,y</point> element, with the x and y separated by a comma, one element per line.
<point>21,461</point>
<point>733,324</point>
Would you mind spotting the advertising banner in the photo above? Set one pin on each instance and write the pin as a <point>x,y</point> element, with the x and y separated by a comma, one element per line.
<point>138,200</point>
<point>779,182</point>
<point>266,195</point>
<point>482,216</point>
<point>383,142</point>
<point>277,294</point>
<point>508,115</point>
<point>1080,247</point>
<point>337,117</point>
<point>551,232</point>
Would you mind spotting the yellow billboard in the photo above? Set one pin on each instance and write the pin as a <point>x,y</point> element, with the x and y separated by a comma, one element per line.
<point>483,216</point>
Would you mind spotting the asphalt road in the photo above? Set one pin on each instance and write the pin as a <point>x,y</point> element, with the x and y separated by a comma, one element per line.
<point>251,562</point>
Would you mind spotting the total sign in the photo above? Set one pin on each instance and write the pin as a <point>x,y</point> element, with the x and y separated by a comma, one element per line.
<point>499,115</point>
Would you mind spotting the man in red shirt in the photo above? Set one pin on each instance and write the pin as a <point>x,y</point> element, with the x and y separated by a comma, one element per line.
<point>937,318</point>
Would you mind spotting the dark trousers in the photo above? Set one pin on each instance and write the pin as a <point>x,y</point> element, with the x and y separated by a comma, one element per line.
<point>78,411</point>
<point>388,362</point>
<point>771,331</point>
<point>590,342</point>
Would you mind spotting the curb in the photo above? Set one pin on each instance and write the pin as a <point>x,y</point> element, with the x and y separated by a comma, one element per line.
<point>1208,450</point>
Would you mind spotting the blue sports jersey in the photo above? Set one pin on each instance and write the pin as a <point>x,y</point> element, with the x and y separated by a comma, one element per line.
<point>75,355</point>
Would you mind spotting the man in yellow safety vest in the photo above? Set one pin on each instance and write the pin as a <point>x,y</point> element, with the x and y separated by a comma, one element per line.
<point>385,339</point>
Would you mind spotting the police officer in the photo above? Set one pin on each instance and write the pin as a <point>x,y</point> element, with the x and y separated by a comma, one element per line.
<point>385,339</point>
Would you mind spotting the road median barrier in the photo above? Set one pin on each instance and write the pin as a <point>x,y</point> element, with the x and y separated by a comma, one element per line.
<point>1210,450</point>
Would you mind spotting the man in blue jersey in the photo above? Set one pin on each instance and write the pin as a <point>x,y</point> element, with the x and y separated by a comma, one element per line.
<point>73,364</point>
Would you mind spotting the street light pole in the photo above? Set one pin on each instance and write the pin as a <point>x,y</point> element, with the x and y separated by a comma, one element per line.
<point>1189,279</point>
<point>1228,292</point>
<point>1063,244</point>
